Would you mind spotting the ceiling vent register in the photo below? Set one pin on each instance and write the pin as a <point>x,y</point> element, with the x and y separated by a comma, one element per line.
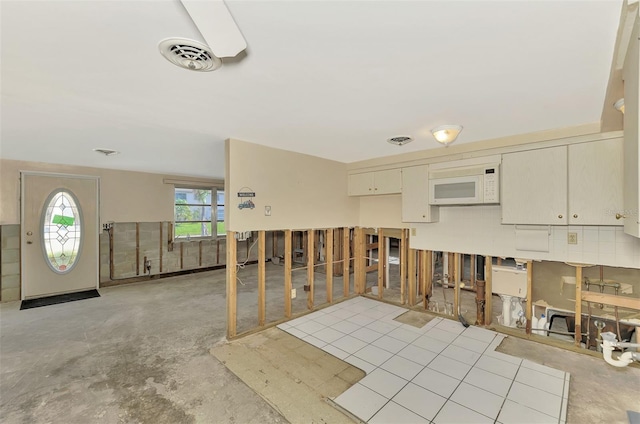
<point>400,140</point>
<point>189,54</point>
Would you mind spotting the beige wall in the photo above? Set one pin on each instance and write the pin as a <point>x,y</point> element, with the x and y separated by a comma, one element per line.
<point>381,212</point>
<point>303,191</point>
<point>125,196</point>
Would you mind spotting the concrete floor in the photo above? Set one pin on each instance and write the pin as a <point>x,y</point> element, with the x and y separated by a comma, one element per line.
<point>140,354</point>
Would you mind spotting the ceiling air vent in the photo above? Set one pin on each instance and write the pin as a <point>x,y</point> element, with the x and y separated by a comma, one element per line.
<point>189,54</point>
<point>106,152</point>
<point>400,140</point>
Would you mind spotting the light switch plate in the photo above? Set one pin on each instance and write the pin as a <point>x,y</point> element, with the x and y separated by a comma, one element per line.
<point>293,293</point>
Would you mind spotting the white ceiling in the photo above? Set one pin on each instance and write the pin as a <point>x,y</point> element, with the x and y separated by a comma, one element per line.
<point>332,79</point>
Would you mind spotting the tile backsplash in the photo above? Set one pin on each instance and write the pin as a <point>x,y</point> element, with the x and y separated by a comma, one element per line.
<point>478,230</point>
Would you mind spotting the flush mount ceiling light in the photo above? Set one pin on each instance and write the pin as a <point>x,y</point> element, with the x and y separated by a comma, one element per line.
<point>446,134</point>
<point>189,54</point>
<point>106,152</point>
<point>619,105</point>
<point>400,140</point>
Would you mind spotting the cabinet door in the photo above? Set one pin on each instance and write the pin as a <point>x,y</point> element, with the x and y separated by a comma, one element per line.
<point>631,75</point>
<point>534,187</point>
<point>361,184</point>
<point>388,182</point>
<point>415,195</point>
<point>595,182</point>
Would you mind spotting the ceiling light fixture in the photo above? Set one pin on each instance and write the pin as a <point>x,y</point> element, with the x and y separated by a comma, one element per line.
<point>400,140</point>
<point>619,105</point>
<point>446,134</point>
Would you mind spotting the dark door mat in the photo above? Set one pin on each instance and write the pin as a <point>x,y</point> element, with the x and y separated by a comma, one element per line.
<point>60,298</point>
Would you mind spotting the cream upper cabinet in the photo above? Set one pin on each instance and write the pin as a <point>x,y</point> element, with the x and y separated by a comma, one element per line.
<point>534,187</point>
<point>361,184</point>
<point>579,184</point>
<point>377,182</point>
<point>630,214</point>
<point>415,195</point>
<point>595,182</point>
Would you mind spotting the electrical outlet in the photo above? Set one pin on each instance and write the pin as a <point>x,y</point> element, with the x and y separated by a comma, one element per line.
<point>293,293</point>
<point>413,232</point>
<point>267,211</point>
<point>572,238</point>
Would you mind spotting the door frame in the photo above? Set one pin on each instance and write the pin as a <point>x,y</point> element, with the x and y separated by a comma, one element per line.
<point>22,204</point>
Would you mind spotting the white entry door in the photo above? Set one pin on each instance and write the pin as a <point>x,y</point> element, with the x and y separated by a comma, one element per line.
<point>59,238</point>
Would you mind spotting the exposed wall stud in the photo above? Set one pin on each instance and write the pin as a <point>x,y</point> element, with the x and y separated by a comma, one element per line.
<point>232,283</point>
<point>456,285</point>
<point>310,266</point>
<point>529,296</point>
<point>382,260</point>
<point>287,273</point>
<point>329,263</point>
<point>262,261</point>
<point>411,271</point>
<point>137,248</point>
<point>161,244</point>
<point>578,312</point>
<point>403,265</point>
<point>346,261</point>
<point>488,295</point>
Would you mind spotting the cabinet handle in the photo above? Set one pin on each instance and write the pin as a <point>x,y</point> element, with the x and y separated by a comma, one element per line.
<point>620,216</point>
<point>369,188</point>
<point>575,215</point>
<point>560,216</point>
<point>424,216</point>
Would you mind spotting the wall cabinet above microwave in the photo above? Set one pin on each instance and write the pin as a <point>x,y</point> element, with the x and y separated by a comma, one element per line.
<point>376,182</point>
<point>579,184</point>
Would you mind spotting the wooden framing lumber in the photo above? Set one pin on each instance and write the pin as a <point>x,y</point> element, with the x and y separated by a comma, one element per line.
<point>529,311</point>
<point>612,299</point>
<point>382,262</point>
<point>287,273</point>
<point>428,287</point>
<point>488,304</point>
<point>403,265</point>
<point>423,277</point>
<point>138,249</point>
<point>329,262</point>
<point>262,261</point>
<point>578,311</point>
<point>346,261</point>
<point>456,284</point>
<point>359,261</point>
<point>310,268</point>
<point>411,271</point>
<point>161,246</point>
<point>232,284</point>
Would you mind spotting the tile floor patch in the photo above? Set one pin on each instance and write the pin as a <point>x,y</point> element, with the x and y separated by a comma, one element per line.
<point>452,413</point>
<point>396,414</point>
<point>384,382</point>
<point>419,400</point>
<point>440,372</point>
<point>352,401</point>
<point>436,382</point>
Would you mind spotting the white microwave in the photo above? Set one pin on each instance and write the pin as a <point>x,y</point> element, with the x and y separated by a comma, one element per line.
<point>469,185</point>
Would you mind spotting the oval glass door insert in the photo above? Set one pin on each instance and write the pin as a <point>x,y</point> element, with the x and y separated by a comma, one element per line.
<point>61,231</point>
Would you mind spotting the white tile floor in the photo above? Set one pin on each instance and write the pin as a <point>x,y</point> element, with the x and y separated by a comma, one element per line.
<point>440,373</point>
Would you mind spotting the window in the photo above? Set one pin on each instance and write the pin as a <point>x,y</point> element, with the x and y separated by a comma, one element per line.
<point>220,212</point>
<point>192,212</point>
